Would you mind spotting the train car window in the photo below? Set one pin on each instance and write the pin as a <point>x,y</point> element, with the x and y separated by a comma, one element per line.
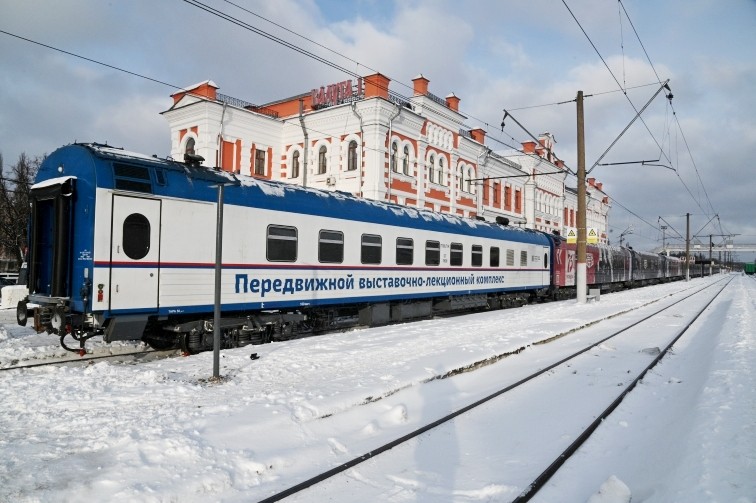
<point>477,256</point>
<point>331,247</point>
<point>132,177</point>
<point>510,258</point>
<point>494,258</point>
<point>545,260</point>
<point>371,249</point>
<point>281,244</point>
<point>456,254</point>
<point>136,236</point>
<point>404,251</point>
<point>432,253</point>
<point>159,176</point>
<point>523,258</point>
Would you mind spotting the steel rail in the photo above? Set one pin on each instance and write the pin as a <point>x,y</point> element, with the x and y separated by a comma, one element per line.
<point>398,441</point>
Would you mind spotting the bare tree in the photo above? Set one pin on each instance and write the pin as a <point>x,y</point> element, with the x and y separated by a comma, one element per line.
<point>14,205</point>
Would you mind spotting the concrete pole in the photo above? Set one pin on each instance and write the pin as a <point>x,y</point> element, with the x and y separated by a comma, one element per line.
<point>687,247</point>
<point>581,273</point>
<point>710,244</point>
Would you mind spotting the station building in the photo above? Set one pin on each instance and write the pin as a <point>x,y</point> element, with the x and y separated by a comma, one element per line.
<point>358,137</point>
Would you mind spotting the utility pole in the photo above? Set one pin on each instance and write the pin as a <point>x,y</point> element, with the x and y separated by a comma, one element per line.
<point>218,272</point>
<point>581,276</point>
<point>687,247</point>
<point>710,245</point>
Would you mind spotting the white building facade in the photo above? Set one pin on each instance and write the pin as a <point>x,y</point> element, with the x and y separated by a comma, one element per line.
<point>357,137</point>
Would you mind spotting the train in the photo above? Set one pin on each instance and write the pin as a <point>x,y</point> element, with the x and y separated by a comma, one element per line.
<point>123,245</point>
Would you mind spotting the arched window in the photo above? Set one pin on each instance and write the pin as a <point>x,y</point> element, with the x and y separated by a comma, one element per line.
<point>352,156</point>
<point>440,170</point>
<point>295,164</point>
<point>432,169</point>
<point>469,181</point>
<point>405,161</point>
<point>394,152</point>
<point>189,148</point>
<point>322,163</point>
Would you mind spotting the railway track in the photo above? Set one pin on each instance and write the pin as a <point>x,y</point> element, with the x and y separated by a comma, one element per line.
<point>535,477</point>
<point>123,357</point>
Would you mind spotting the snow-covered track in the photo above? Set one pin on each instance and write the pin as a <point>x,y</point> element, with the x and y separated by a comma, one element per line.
<point>532,488</point>
<point>125,357</point>
<point>562,458</point>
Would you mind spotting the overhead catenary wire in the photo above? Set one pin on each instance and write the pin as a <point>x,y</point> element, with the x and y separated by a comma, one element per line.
<point>489,128</point>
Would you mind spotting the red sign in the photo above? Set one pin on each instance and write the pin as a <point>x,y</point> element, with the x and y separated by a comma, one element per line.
<point>334,94</point>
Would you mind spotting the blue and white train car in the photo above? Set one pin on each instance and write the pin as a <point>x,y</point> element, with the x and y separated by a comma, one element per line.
<point>123,245</point>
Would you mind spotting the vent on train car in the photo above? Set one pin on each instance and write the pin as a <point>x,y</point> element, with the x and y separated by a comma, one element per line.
<point>132,177</point>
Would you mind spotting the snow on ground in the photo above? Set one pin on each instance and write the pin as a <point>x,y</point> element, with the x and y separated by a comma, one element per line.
<point>160,431</point>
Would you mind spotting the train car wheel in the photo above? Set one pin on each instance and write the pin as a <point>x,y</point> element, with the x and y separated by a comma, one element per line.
<point>22,313</point>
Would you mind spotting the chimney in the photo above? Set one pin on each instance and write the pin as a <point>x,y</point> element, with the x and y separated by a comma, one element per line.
<point>478,135</point>
<point>376,85</point>
<point>528,147</point>
<point>452,102</point>
<point>207,89</point>
<point>420,85</point>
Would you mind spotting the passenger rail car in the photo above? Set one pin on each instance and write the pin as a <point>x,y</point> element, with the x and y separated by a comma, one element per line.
<point>123,245</point>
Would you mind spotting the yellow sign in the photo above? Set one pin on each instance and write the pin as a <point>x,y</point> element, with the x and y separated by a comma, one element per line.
<point>592,236</point>
<point>572,236</point>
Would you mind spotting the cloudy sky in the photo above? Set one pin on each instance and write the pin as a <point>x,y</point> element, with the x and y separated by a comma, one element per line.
<point>521,55</point>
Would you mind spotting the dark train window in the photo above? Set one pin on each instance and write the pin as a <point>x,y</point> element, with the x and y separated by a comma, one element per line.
<point>477,256</point>
<point>371,249</point>
<point>331,247</point>
<point>136,236</point>
<point>282,244</point>
<point>456,254</point>
<point>494,259</point>
<point>432,253</point>
<point>510,258</point>
<point>523,258</point>
<point>545,260</point>
<point>404,251</point>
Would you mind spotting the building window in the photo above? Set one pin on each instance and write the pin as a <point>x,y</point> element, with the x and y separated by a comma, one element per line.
<point>404,251</point>
<point>281,244</point>
<point>518,201</point>
<point>259,162</point>
<point>441,170</point>
<point>477,256</point>
<point>295,164</point>
<point>432,253</point>
<point>432,169</point>
<point>371,249</point>
<point>456,254</point>
<point>496,192</point>
<point>394,155</point>
<point>352,156</point>
<point>405,160</point>
<point>322,162</point>
<point>331,247</point>
<point>469,181</point>
<point>507,197</point>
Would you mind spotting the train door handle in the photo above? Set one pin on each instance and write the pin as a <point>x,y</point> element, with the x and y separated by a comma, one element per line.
<point>116,288</point>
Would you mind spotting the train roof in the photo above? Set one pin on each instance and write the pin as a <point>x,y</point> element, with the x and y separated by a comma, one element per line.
<point>95,165</point>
